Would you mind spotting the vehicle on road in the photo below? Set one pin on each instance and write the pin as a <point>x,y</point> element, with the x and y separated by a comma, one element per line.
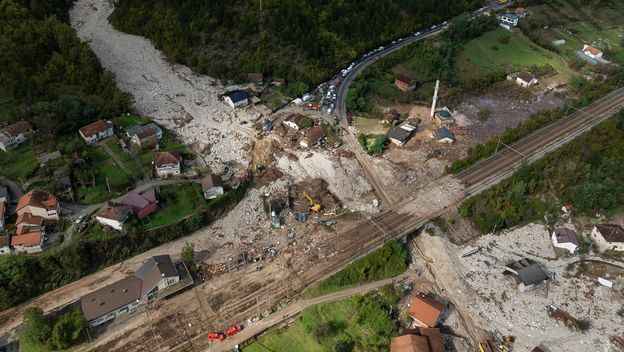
<point>233,330</point>
<point>215,336</point>
<point>80,218</point>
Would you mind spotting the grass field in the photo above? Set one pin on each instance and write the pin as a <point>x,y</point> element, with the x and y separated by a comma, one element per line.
<point>19,163</point>
<point>486,54</point>
<point>113,144</point>
<point>597,25</point>
<point>103,168</point>
<point>176,202</point>
<point>126,121</point>
<point>390,260</point>
<point>360,323</point>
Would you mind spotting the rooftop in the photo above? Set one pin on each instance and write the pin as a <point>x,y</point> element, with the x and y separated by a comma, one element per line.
<point>237,95</point>
<point>28,218</point>
<point>112,211</point>
<point>443,133</point>
<point>611,232</point>
<point>528,272</point>
<point>314,134</point>
<point>565,235</point>
<point>426,309</point>
<point>399,134</point>
<point>166,158</point>
<point>140,200</point>
<point>210,181</point>
<point>17,128</point>
<point>94,128</point>
<point>39,199</point>
<point>526,76</point>
<point>402,78</point>
<point>28,239</point>
<point>592,50</point>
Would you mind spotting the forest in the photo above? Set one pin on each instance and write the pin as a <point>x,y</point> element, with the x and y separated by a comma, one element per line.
<point>587,173</point>
<point>301,40</point>
<point>47,76</point>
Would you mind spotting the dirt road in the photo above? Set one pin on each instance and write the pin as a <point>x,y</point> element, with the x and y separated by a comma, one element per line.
<point>292,310</point>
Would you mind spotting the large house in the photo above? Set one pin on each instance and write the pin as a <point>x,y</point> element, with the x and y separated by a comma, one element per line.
<point>105,304</point>
<point>96,131</point>
<point>39,203</point>
<point>212,186</point>
<point>236,98</point>
<point>15,134</point>
<point>608,237</point>
<point>527,272</point>
<point>312,137</point>
<point>565,239</point>
<point>142,204</point>
<point>167,164</point>
<point>28,239</point>
<point>592,52</point>
<point>426,311</point>
<point>113,215</point>
<point>423,340</point>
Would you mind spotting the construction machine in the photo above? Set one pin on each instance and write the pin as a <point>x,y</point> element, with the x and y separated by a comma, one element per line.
<point>314,207</point>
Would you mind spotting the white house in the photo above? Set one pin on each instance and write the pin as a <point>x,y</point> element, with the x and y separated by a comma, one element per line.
<point>96,131</point>
<point>565,239</point>
<point>14,135</point>
<point>113,215</point>
<point>592,52</point>
<point>444,135</point>
<point>509,20</point>
<point>167,164</point>
<point>608,237</point>
<point>236,98</point>
<point>525,79</point>
<point>105,304</point>
<point>28,239</point>
<point>134,130</point>
<point>212,186</point>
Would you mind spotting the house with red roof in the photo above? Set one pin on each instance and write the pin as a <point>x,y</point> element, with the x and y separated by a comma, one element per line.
<point>39,203</point>
<point>113,215</point>
<point>96,131</point>
<point>142,204</point>
<point>592,52</point>
<point>426,311</point>
<point>28,239</point>
<point>15,134</point>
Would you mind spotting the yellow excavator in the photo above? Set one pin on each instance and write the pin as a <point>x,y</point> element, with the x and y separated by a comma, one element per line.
<point>314,207</point>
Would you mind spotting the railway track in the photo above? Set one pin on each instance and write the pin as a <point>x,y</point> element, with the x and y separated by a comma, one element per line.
<point>514,155</point>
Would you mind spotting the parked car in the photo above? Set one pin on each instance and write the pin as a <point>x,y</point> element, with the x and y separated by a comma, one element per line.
<point>233,330</point>
<point>215,336</point>
<point>80,218</point>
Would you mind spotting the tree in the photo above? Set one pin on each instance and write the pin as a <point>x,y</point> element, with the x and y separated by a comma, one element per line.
<point>38,329</point>
<point>188,256</point>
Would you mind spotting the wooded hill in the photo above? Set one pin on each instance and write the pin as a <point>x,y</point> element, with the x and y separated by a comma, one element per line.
<point>301,40</point>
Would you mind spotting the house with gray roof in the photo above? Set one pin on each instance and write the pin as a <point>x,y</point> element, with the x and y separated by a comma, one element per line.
<point>135,130</point>
<point>527,273</point>
<point>105,304</point>
<point>444,135</point>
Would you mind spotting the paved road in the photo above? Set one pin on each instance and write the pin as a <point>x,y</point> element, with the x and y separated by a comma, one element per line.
<point>13,187</point>
<point>287,313</point>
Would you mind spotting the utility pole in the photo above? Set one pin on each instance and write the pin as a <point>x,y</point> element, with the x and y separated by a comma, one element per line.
<point>435,98</point>
<point>108,185</point>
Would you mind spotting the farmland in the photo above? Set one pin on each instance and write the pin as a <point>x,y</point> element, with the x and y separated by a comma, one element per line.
<point>502,50</point>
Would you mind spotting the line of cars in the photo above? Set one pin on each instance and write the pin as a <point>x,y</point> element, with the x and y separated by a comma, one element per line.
<point>218,336</point>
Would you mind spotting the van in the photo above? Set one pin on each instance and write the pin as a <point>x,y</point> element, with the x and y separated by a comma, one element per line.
<point>329,111</point>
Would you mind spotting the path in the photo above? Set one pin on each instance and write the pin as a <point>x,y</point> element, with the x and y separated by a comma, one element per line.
<point>13,187</point>
<point>115,157</point>
<point>289,312</point>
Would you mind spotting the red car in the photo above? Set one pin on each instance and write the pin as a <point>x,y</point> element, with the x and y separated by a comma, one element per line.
<point>233,330</point>
<point>216,336</point>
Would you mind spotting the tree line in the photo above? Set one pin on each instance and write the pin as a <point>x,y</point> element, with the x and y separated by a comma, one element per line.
<point>587,173</point>
<point>48,77</point>
<point>301,40</point>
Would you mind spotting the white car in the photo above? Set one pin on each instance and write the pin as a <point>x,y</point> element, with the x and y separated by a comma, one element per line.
<point>80,218</point>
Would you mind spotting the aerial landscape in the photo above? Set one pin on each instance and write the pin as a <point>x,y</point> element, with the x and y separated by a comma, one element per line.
<point>300,175</point>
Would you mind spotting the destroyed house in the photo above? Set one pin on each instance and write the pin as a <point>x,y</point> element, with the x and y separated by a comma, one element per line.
<point>527,273</point>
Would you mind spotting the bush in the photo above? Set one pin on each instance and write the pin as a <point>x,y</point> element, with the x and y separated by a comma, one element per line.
<point>484,114</point>
<point>504,39</point>
<point>584,324</point>
<point>380,144</point>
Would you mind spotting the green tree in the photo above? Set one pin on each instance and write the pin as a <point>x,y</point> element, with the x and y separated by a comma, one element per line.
<point>37,329</point>
<point>188,256</point>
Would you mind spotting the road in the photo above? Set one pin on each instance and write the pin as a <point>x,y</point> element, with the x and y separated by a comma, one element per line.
<point>15,190</point>
<point>289,312</point>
